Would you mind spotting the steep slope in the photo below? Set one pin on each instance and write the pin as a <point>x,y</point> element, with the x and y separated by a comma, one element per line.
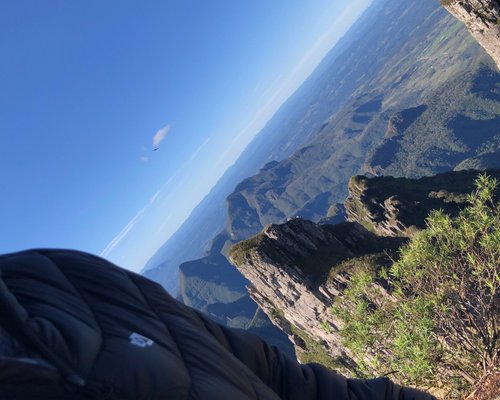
<point>289,266</point>
<point>482,19</point>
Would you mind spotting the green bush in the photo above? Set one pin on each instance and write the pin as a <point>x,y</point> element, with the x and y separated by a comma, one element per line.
<point>454,266</point>
<point>440,324</point>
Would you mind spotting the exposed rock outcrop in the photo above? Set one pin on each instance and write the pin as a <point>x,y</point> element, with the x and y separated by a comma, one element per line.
<point>298,269</point>
<point>391,206</point>
<point>482,19</point>
<point>289,268</point>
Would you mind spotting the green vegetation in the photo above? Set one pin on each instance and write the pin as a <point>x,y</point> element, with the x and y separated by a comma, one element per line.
<point>239,251</point>
<point>275,312</point>
<point>439,327</point>
<point>326,327</point>
<point>359,319</point>
<point>315,352</point>
<point>369,264</point>
<point>460,119</point>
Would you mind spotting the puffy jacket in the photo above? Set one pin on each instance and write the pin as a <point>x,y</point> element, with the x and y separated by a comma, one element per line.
<point>114,334</point>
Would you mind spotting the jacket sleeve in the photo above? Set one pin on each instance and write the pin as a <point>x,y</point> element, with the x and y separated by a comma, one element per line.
<point>292,380</point>
<point>286,377</point>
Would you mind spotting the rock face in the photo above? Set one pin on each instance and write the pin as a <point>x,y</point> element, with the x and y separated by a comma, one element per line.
<point>391,206</point>
<point>482,19</point>
<point>288,266</point>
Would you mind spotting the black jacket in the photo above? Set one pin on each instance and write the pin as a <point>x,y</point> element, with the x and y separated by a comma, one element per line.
<point>114,334</point>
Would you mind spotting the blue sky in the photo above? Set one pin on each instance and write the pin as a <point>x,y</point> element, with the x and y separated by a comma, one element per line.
<point>89,88</point>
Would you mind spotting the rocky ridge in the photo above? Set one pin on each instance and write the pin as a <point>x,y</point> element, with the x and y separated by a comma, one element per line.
<point>391,206</point>
<point>482,19</point>
<point>297,269</point>
<point>288,266</point>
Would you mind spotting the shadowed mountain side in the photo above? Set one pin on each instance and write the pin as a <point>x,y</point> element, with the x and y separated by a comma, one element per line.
<point>460,120</point>
<point>384,154</point>
<point>391,206</point>
<point>311,249</point>
<point>210,280</point>
<point>482,161</point>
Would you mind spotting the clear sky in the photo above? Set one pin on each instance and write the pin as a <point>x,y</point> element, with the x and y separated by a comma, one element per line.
<point>89,88</point>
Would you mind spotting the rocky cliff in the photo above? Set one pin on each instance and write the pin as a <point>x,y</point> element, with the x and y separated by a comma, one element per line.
<point>391,206</point>
<point>289,269</point>
<point>482,19</point>
<point>298,269</point>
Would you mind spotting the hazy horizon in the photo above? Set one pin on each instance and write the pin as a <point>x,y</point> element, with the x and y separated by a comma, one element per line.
<point>120,118</point>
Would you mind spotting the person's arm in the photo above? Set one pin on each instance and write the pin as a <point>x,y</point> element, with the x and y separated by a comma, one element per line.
<point>286,377</point>
<point>292,380</point>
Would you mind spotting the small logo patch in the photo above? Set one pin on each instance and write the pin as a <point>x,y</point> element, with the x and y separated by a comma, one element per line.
<point>139,340</point>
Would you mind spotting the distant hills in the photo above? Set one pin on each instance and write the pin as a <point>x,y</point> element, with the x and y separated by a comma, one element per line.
<point>423,118</point>
<point>212,285</point>
<point>457,123</point>
<point>407,92</point>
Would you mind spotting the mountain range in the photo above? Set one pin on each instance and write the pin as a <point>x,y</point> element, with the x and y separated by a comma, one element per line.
<point>406,92</point>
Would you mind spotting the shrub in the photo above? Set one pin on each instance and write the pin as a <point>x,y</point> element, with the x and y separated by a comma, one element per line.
<point>454,266</point>
<point>441,323</point>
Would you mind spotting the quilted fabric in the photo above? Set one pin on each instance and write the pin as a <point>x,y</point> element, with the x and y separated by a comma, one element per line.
<point>114,334</point>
